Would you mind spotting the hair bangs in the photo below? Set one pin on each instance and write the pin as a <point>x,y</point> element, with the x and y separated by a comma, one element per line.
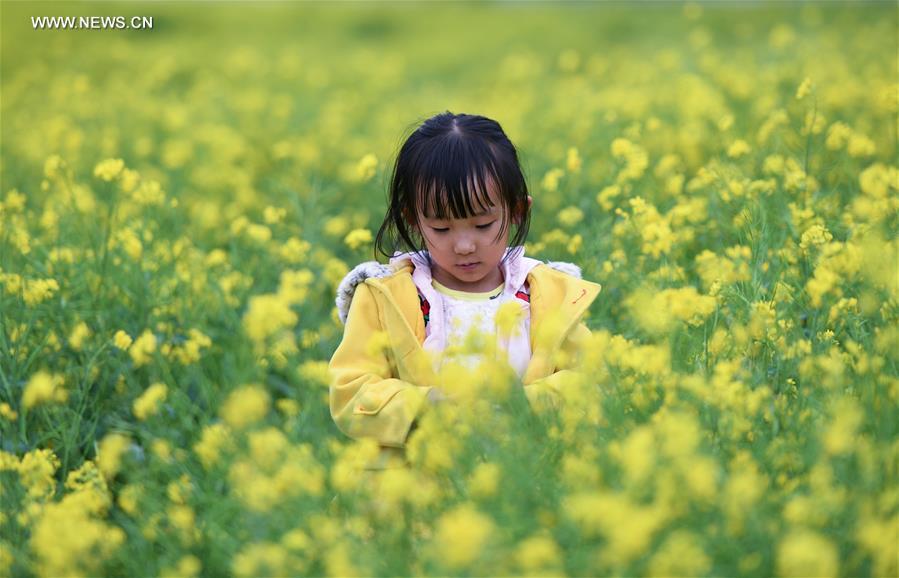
<point>453,182</point>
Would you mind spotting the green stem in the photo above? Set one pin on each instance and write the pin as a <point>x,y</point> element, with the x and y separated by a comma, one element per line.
<point>808,138</point>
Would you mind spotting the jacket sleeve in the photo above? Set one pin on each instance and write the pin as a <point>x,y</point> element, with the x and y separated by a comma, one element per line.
<point>366,400</point>
<point>546,392</point>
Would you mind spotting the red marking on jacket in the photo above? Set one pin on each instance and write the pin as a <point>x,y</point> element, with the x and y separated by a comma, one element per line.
<point>583,292</point>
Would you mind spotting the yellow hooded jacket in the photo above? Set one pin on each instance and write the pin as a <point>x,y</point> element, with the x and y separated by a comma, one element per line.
<point>378,393</point>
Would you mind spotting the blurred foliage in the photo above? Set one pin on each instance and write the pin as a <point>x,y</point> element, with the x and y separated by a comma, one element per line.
<point>178,205</point>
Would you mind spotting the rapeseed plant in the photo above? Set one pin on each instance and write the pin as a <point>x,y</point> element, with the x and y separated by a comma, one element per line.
<point>168,264</point>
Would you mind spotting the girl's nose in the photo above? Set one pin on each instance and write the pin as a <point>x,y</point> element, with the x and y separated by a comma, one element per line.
<point>464,246</point>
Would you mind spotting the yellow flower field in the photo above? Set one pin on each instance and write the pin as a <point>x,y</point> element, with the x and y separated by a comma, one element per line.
<point>178,205</point>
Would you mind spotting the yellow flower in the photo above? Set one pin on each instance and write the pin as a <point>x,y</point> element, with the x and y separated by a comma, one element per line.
<point>143,347</point>
<point>36,473</point>
<point>700,476</point>
<point>215,258</point>
<point>289,407</point>
<point>44,387</point>
<point>122,340</point>
<point>214,441</point>
<point>188,566</point>
<point>638,454</point>
<point>878,179</point>
<point>189,351</point>
<point>367,167</point>
<point>461,535</point>
<point>738,148</point>
<point>315,372</point>
<point>680,555</point>
<point>397,485</point>
<point>376,343</point>
<point>261,559</point>
<point>628,527</point>
<point>484,480</point>
<point>39,290</point>
<point>605,196</point>
<point>8,462</point>
<point>149,193</point>
<point>148,403</point>
<point>78,335</point>
<point>837,135</point>
<point>876,536</point>
<point>573,160</point>
<point>128,240</point>
<point>245,406</point>
<point>109,453</point>
<point>109,169</point>
<point>804,88</point>
<point>7,412</point>
<point>15,201</point>
<point>293,286</point>
<point>336,226</point>
<point>183,519</point>
<point>129,180</point>
<point>570,216</point>
<point>508,319</point>
<point>334,271</point>
<point>6,556</point>
<point>621,147</point>
<point>635,157</point>
<point>273,215</point>
<point>575,243</point>
<point>656,311</point>
<point>258,233</point>
<point>815,235</point>
<point>129,498</point>
<point>861,146</point>
<point>53,167</point>
<point>267,315</point>
<point>357,237</point>
<point>274,470</point>
<point>537,554</point>
<point>719,270</point>
<point>840,432</point>
<point>745,486</point>
<point>294,250</point>
<point>69,540</point>
<point>551,179</point>
<point>806,553</point>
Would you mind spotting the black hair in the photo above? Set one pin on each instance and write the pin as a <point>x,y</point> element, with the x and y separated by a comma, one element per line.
<point>444,168</point>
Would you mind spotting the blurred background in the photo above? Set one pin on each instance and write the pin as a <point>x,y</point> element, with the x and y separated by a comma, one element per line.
<point>253,98</point>
<point>178,205</point>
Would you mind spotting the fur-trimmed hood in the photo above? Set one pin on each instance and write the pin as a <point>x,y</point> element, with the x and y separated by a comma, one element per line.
<point>373,269</point>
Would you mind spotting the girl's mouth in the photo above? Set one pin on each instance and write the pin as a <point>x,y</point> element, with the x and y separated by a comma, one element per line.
<point>469,266</point>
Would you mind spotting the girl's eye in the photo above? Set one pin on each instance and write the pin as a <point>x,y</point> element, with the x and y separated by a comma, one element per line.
<point>487,226</point>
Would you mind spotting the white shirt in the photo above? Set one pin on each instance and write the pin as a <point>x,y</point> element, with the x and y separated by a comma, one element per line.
<point>437,331</point>
<point>464,312</point>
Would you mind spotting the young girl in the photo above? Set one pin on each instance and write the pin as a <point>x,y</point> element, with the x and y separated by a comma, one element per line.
<point>455,190</point>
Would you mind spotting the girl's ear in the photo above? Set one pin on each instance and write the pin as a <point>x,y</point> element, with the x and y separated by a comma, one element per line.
<point>520,213</point>
<point>407,216</point>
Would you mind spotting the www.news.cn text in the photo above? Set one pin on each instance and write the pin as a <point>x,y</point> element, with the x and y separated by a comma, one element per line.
<point>91,22</point>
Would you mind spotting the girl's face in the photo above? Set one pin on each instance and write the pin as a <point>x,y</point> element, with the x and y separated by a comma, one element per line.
<point>465,252</point>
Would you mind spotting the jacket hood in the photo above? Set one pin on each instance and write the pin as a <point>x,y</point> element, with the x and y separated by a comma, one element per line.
<point>516,270</point>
